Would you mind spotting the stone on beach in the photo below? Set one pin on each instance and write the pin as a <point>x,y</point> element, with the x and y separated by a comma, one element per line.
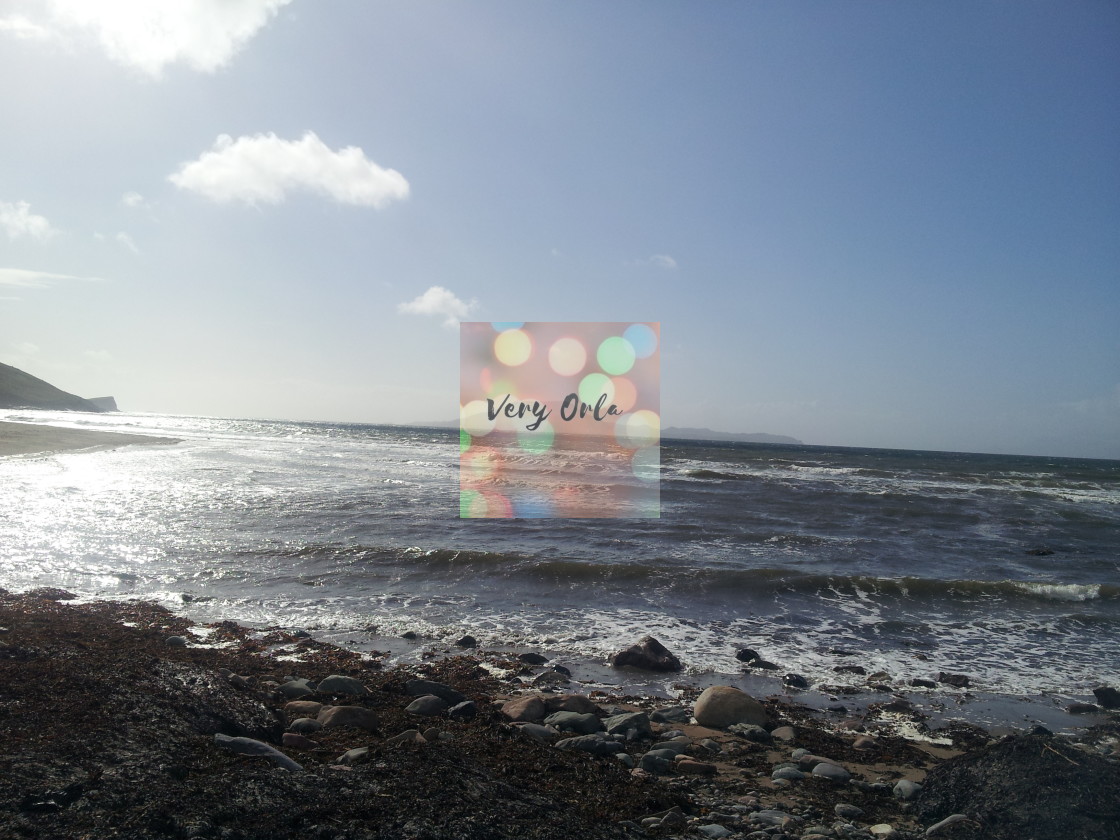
<point>409,736</point>
<point>571,703</point>
<point>832,772</point>
<point>354,756</point>
<point>955,680</point>
<point>429,706</point>
<point>357,716</point>
<point>648,655</point>
<point>251,746</point>
<point>598,744</point>
<point>574,722</point>
<point>530,709</point>
<point>1107,696</point>
<point>302,708</point>
<point>294,689</point>
<point>419,688</point>
<point>304,726</point>
<point>339,684</point>
<point>632,725</point>
<point>297,741</point>
<point>720,706</point>
<point>463,711</point>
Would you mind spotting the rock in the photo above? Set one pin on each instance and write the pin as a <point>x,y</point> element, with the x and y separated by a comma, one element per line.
<point>850,669</point>
<point>339,684</point>
<point>832,772</point>
<point>671,714</point>
<point>632,725</point>
<point>302,708</point>
<point>770,816</point>
<point>409,736</point>
<point>550,678</point>
<point>529,708</point>
<point>795,681</point>
<point>304,726</point>
<point>955,680</point>
<point>784,733</point>
<point>532,658</point>
<point>883,831</point>
<point>537,731</point>
<point>747,655</point>
<point>463,711</point>
<point>562,670</point>
<point>597,744</point>
<point>428,706</point>
<point>354,756</point>
<point>251,746</point>
<point>752,732</point>
<point>1082,708</point>
<point>467,642</point>
<point>572,703</point>
<point>715,830</point>
<point>420,688</point>
<point>939,828</point>
<point>656,764</point>
<point>675,745</point>
<point>1107,696</point>
<point>411,635</point>
<point>648,655</point>
<point>918,682</point>
<point>574,722</point>
<point>176,641</point>
<point>764,664</point>
<point>294,689</point>
<point>865,742</point>
<point>626,760</point>
<point>847,812</point>
<point>359,717</point>
<point>906,789</point>
<point>695,768</point>
<point>722,705</point>
<point>711,746</point>
<point>297,741</point>
<point>791,773</point>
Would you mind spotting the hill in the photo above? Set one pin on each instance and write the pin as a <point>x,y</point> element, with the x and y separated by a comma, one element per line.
<point>691,433</point>
<point>22,390</point>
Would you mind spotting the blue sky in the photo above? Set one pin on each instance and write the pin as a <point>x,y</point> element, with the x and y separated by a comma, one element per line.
<point>859,223</point>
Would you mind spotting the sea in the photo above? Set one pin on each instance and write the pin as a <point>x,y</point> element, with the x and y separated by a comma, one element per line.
<point>1003,568</point>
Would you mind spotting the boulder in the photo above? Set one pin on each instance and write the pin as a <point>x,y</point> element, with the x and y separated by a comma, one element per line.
<point>339,684</point>
<point>419,688</point>
<point>357,716</point>
<point>648,655</point>
<point>530,709</point>
<point>722,705</point>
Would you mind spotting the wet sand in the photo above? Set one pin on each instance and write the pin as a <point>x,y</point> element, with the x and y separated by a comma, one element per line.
<point>34,439</point>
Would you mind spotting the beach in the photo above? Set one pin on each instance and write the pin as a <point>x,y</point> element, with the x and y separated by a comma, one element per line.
<point>125,720</point>
<point>36,438</point>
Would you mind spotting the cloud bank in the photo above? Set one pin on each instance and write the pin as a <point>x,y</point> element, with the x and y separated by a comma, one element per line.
<point>264,169</point>
<point>28,279</point>
<point>440,301</point>
<point>148,35</point>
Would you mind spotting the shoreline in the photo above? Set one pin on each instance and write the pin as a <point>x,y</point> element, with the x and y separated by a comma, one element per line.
<point>29,439</point>
<point>111,710</point>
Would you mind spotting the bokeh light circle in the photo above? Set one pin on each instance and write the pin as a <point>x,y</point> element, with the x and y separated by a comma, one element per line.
<point>637,430</point>
<point>616,355</point>
<point>538,440</point>
<point>567,356</point>
<point>593,386</point>
<point>477,465</point>
<point>513,347</point>
<point>625,393</point>
<point>642,338</point>
<point>474,418</point>
<point>502,326</point>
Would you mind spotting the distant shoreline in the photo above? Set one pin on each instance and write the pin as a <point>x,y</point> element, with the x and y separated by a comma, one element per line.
<point>36,439</point>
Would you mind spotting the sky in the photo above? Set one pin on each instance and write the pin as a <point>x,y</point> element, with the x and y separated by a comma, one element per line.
<point>859,223</point>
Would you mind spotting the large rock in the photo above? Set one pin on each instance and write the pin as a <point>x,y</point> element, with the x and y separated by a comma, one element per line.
<point>530,709</point>
<point>574,722</point>
<point>722,705</point>
<point>1107,696</point>
<point>339,684</point>
<point>649,655</point>
<point>572,703</point>
<point>419,688</point>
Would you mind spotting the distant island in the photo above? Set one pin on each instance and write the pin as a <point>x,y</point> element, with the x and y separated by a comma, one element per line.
<point>22,390</point>
<point>678,432</point>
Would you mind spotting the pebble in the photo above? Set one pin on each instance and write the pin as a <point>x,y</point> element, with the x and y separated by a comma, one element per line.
<point>791,773</point>
<point>784,733</point>
<point>847,812</point>
<point>906,789</point>
<point>428,706</point>
<point>409,736</point>
<point>353,756</point>
<point>695,768</point>
<point>715,830</point>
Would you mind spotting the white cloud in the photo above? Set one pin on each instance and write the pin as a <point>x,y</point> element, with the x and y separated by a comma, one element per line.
<point>440,301</point>
<point>19,26</point>
<point>34,279</point>
<point>127,242</point>
<point>17,220</point>
<point>662,261</point>
<point>133,199</point>
<point>148,35</point>
<point>264,168</point>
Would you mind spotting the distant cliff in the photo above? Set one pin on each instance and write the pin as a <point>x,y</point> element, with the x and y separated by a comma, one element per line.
<point>689,433</point>
<point>22,390</point>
